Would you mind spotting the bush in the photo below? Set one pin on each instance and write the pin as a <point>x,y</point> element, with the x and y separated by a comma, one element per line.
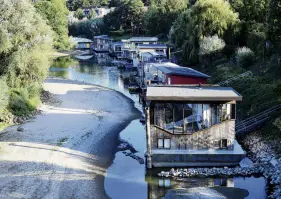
<point>4,96</point>
<point>245,57</point>
<point>210,45</point>
<point>24,100</point>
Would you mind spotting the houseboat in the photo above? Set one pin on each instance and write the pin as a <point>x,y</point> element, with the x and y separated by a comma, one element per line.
<point>82,43</point>
<point>160,49</point>
<point>115,50</point>
<point>166,73</point>
<point>191,126</point>
<point>130,46</point>
<point>143,40</point>
<point>151,56</point>
<point>101,44</point>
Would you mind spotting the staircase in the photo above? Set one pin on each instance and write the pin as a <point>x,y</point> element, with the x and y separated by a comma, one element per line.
<point>253,122</point>
<point>226,82</point>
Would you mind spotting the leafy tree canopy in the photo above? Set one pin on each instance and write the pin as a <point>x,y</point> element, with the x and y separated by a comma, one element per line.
<point>79,14</point>
<point>204,18</point>
<point>25,42</point>
<point>127,14</point>
<point>76,4</point>
<point>162,14</point>
<point>274,23</point>
<point>55,12</point>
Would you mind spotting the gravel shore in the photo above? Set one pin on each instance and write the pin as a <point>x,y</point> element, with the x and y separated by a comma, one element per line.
<point>64,152</point>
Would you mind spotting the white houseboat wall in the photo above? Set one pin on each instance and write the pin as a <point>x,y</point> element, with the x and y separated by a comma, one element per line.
<point>115,50</point>
<point>191,126</point>
<point>101,43</point>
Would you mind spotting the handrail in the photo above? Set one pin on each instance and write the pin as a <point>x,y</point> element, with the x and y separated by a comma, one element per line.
<point>225,82</point>
<point>251,122</point>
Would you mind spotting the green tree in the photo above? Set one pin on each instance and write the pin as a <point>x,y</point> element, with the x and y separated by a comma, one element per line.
<point>55,12</point>
<point>92,14</point>
<point>274,23</point>
<point>162,14</point>
<point>128,14</point>
<point>73,5</point>
<point>25,43</point>
<point>88,28</point>
<point>204,18</point>
<point>79,14</point>
<point>252,23</point>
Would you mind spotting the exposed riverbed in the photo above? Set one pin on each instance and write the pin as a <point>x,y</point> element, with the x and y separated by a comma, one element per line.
<point>127,177</point>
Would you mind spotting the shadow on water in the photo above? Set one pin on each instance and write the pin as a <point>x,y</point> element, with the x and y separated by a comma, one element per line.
<point>127,178</point>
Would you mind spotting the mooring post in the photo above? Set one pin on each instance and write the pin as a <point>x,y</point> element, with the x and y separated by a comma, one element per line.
<point>148,139</point>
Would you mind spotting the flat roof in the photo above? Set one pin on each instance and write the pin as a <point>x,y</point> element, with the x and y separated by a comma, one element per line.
<point>164,63</point>
<point>135,39</point>
<point>102,37</point>
<point>192,93</point>
<point>118,43</point>
<point>152,46</point>
<point>81,40</point>
<point>183,71</point>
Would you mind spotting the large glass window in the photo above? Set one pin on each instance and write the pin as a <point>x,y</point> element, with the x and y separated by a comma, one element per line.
<point>189,118</point>
<point>169,122</point>
<point>178,118</point>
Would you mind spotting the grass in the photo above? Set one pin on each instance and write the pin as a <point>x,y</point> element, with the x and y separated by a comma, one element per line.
<point>62,141</point>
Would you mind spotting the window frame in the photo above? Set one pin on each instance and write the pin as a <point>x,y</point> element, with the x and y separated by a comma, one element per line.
<point>169,143</point>
<point>162,141</point>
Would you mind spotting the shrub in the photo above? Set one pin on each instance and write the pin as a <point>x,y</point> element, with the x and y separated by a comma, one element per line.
<point>210,45</point>
<point>4,96</point>
<point>24,100</point>
<point>245,57</point>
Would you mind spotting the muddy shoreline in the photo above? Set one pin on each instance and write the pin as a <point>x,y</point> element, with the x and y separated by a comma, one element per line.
<point>65,151</point>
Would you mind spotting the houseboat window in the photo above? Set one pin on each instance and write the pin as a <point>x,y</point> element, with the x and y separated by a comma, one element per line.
<point>215,114</point>
<point>224,143</point>
<point>233,111</point>
<point>169,80</point>
<point>167,143</point>
<point>225,112</point>
<point>188,118</point>
<point>167,183</point>
<point>178,118</point>
<point>217,144</point>
<point>220,182</point>
<point>169,122</point>
<point>161,183</point>
<point>160,144</point>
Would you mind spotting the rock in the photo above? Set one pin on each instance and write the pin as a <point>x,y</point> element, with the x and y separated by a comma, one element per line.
<point>20,128</point>
<point>246,162</point>
<point>274,162</point>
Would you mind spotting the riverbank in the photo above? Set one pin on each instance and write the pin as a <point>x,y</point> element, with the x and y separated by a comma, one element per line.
<point>65,151</point>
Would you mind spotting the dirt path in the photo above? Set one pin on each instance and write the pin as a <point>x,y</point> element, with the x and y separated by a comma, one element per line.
<point>64,152</point>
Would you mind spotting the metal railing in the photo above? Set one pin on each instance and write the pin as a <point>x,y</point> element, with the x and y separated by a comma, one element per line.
<point>252,122</point>
<point>226,82</point>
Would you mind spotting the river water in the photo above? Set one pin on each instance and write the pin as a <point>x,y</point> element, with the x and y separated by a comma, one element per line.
<point>126,177</point>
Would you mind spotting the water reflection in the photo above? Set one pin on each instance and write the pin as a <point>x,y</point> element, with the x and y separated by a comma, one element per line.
<point>127,178</point>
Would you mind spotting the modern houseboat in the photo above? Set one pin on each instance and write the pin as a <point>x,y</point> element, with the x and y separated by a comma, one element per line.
<point>115,50</point>
<point>101,43</point>
<point>191,126</point>
<point>167,73</point>
<point>82,43</point>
